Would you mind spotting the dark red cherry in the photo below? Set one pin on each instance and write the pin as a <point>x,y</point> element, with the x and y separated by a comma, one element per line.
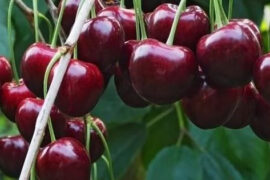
<point>210,108</point>
<point>260,125</point>
<point>192,25</point>
<point>66,159</point>
<point>126,17</point>
<point>70,12</point>
<point>12,154</point>
<point>27,113</point>
<point>34,64</point>
<point>245,111</point>
<point>5,71</point>
<point>81,88</point>
<point>75,128</point>
<point>162,74</point>
<point>261,76</point>
<point>10,97</point>
<point>100,42</point>
<point>227,56</point>
<point>253,27</point>
<point>127,50</point>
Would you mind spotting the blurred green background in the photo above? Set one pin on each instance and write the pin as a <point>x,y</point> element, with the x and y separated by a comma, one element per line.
<point>142,150</point>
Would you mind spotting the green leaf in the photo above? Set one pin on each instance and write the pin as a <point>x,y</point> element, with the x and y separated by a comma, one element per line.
<point>4,50</point>
<point>111,109</point>
<point>174,163</point>
<point>163,133</point>
<point>125,142</point>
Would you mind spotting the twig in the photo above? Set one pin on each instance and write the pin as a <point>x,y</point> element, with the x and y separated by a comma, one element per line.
<point>29,13</point>
<point>54,88</point>
<point>53,12</point>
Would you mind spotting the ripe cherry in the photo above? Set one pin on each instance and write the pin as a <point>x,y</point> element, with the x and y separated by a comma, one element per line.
<point>27,113</point>
<point>11,94</point>
<point>34,64</point>
<point>162,74</point>
<point>5,71</point>
<point>245,111</point>
<point>122,79</point>
<point>66,159</point>
<point>80,89</point>
<point>12,154</point>
<point>227,56</point>
<point>100,42</point>
<point>75,128</point>
<point>260,125</point>
<point>126,17</point>
<point>261,75</point>
<point>210,108</point>
<point>70,12</point>
<point>192,25</point>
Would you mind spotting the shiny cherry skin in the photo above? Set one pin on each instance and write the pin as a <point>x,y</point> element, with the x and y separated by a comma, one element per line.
<point>126,17</point>
<point>75,128</point>
<point>192,25</point>
<point>210,108</point>
<point>261,76</point>
<point>245,111</point>
<point>162,74</point>
<point>227,56</point>
<point>33,66</point>
<point>100,42</point>
<point>260,125</point>
<point>5,71</point>
<point>27,113</point>
<point>70,12</point>
<point>12,154</point>
<point>80,89</point>
<point>11,94</point>
<point>122,81</point>
<point>66,159</point>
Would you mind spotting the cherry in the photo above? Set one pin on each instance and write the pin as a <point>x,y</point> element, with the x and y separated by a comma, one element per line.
<point>81,88</point>
<point>227,56</point>
<point>260,125</point>
<point>66,159</point>
<point>126,17</point>
<point>210,108</point>
<point>75,128</point>
<point>100,42</point>
<point>161,74</point>
<point>12,154</point>
<point>122,80</point>
<point>261,75</point>
<point>34,64</point>
<point>192,25</point>
<point>5,71</point>
<point>11,94</point>
<point>27,113</point>
<point>70,12</point>
<point>245,111</point>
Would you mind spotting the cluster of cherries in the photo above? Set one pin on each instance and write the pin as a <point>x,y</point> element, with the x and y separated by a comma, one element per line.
<point>210,72</point>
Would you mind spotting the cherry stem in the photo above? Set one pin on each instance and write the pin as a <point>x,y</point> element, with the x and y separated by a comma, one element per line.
<point>11,42</point>
<point>107,150</point>
<point>181,118</point>
<point>138,33</point>
<point>122,4</point>
<point>268,37</point>
<point>212,14</point>
<point>230,9</point>
<point>87,135</point>
<point>139,14</point>
<point>181,8</point>
<point>95,173</point>
<point>55,58</point>
<point>58,24</point>
<point>33,173</point>
<point>218,20</point>
<point>35,8</point>
<point>49,24</point>
<point>223,14</point>
<point>159,117</point>
<point>75,52</point>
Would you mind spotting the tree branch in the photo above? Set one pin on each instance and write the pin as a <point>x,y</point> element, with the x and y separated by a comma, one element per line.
<point>54,88</point>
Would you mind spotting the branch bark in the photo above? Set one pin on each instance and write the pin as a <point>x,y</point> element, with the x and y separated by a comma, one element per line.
<point>54,88</point>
